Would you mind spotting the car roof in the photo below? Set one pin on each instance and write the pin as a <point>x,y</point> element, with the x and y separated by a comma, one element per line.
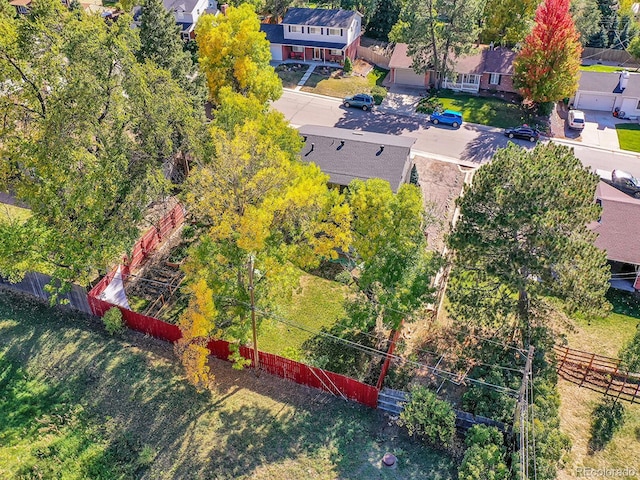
<point>577,114</point>
<point>453,112</point>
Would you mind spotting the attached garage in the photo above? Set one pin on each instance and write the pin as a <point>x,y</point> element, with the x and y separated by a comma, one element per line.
<point>595,101</point>
<point>406,76</point>
<point>276,52</point>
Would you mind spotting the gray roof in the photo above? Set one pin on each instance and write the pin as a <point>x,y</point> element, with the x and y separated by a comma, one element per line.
<point>606,82</point>
<point>319,17</point>
<point>619,226</point>
<point>499,60</point>
<point>359,157</point>
<point>275,35</point>
<point>180,5</point>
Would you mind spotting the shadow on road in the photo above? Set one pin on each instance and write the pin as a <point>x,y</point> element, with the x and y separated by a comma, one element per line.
<point>380,122</point>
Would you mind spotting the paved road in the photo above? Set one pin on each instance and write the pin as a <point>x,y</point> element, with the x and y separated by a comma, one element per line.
<point>470,143</point>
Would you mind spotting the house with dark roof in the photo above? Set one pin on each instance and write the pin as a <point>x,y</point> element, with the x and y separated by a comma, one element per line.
<point>489,69</point>
<point>607,91</point>
<point>618,232</point>
<point>349,154</point>
<point>187,13</point>
<point>315,34</point>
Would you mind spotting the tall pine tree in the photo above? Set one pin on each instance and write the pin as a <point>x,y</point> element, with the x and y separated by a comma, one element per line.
<point>384,18</point>
<point>546,69</point>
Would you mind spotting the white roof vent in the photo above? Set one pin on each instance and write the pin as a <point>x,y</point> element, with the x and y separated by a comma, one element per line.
<point>624,79</point>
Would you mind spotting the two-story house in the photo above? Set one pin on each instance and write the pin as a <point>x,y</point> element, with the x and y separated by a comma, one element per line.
<point>314,34</point>
<point>187,13</point>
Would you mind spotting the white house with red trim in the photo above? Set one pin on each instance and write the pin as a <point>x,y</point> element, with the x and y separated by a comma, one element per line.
<point>315,34</point>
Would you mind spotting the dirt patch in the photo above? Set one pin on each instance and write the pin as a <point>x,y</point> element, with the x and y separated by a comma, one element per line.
<point>441,184</point>
<point>362,67</point>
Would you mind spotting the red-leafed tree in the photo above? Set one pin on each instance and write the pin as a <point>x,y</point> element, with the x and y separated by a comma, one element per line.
<point>546,69</point>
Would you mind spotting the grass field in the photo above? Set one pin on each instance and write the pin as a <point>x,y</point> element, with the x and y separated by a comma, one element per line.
<point>77,404</point>
<point>485,110</point>
<point>344,86</point>
<point>605,337</point>
<point>12,213</point>
<point>317,304</point>
<point>601,68</point>
<point>629,136</point>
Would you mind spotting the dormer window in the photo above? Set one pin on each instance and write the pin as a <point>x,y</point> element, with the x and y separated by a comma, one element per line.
<point>334,31</point>
<point>180,15</point>
<point>314,30</point>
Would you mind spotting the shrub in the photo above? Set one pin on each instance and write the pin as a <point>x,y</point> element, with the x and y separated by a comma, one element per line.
<point>489,402</point>
<point>348,65</point>
<point>113,322</point>
<point>630,353</point>
<point>545,108</point>
<point>429,418</point>
<point>415,179</point>
<point>485,455</point>
<point>606,420</point>
<point>429,105</point>
<point>378,93</point>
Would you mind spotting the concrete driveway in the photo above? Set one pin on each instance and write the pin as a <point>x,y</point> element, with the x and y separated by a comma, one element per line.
<point>599,129</point>
<point>402,100</point>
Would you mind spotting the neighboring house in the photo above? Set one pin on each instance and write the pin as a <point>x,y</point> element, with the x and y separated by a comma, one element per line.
<point>607,91</point>
<point>187,13</point>
<point>21,6</point>
<point>618,232</point>
<point>347,154</point>
<point>489,69</point>
<point>401,72</point>
<point>315,34</point>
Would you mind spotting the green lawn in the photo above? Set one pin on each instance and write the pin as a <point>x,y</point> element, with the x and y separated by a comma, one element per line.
<point>605,337</point>
<point>11,213</point>
<point>629,136</point>
<point>601,68</point>
<point>290,78</point>
<point>78,404</point>
<point>317,304</point>
<point>341,87</point>
<point>485,110</point>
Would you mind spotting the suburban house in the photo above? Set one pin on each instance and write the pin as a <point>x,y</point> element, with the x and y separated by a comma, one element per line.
<point>489,69</point>
<point>347,154</point>
<point>187,13</point>
<point>609,91</point>
<point>22,6</point>
<point>618,232</point>
<point>315,34</point>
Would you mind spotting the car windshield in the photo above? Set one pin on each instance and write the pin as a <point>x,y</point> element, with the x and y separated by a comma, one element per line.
<point>578,120</point>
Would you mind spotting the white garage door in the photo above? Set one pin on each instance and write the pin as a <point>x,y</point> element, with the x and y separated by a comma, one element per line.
<point>406,76</point>
<point>596,102</point>
<point>276,52</point>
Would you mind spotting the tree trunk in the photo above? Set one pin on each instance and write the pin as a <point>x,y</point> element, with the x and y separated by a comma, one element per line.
<point>523,315</point>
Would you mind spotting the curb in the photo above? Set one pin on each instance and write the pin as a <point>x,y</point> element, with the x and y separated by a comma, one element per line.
<point>573,143</point>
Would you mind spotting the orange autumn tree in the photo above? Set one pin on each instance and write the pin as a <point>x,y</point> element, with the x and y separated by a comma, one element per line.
<point>546,69</point>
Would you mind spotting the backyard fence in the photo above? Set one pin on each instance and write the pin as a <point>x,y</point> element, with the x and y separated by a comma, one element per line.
<point>373,57</point>
<point>608,55</point>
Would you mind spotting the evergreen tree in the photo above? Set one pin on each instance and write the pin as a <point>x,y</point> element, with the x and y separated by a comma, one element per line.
<point>415,179</point>
<point>384,18</point>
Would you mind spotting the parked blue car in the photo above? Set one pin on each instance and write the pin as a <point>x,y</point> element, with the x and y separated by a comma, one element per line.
<point>448,117</point>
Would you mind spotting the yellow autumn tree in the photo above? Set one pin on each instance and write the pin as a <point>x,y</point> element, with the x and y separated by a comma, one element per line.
<point>197,324</point>
<point>233,52</point>
<point>256,199</point>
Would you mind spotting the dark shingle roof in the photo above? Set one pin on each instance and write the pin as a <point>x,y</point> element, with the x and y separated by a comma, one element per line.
<point>619,226</point>
<point>319,17</point>
<point>275,35</point>
<point>499,60</point>
<point>608,82</point>
<point>359,157</point>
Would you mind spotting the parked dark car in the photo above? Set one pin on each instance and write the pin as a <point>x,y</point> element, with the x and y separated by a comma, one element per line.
<point>524,131</point>
<point>626,182</point>
<point>362,100</point>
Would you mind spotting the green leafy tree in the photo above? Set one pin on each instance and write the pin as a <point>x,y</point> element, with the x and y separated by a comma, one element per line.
<point>437,31</point>
<point>630,353</point>
<point>523,237</point>
<point>255,200</point>
<point>484,458</point>
<point>83,143</point>
<point>277,8</point>
<point>587,18</point>
<point>429,418</point>
<point>507,22</point>
<point>607,418</point>
<point>234,52</point>
<point>546,68</point>
<point>384,18</point>
<point>160,42</point>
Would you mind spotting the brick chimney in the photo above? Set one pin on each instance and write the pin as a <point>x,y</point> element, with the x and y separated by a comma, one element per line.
<point>223,8</point>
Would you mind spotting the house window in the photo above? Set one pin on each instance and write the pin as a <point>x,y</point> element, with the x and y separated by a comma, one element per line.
<point>23,10</point>
<point>295,29</point>
<point>336,52</point>
<point>494,79</point>
<point>467,78</point>
<point>180,15</point>
<point>314,30</point>
<point>297,49</point>
<point>334,31</point>
<point>638,106</point>
<point>185,36</point>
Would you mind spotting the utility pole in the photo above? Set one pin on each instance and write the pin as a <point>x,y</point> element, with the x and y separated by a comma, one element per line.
<point>256,355</point>
<point>521,412</point>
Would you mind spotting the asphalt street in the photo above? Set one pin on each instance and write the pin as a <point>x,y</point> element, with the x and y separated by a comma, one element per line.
<point>469,143</point>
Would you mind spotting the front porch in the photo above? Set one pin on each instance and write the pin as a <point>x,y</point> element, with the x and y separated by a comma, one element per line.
<point>313,54</point>
<point>464,82</point>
